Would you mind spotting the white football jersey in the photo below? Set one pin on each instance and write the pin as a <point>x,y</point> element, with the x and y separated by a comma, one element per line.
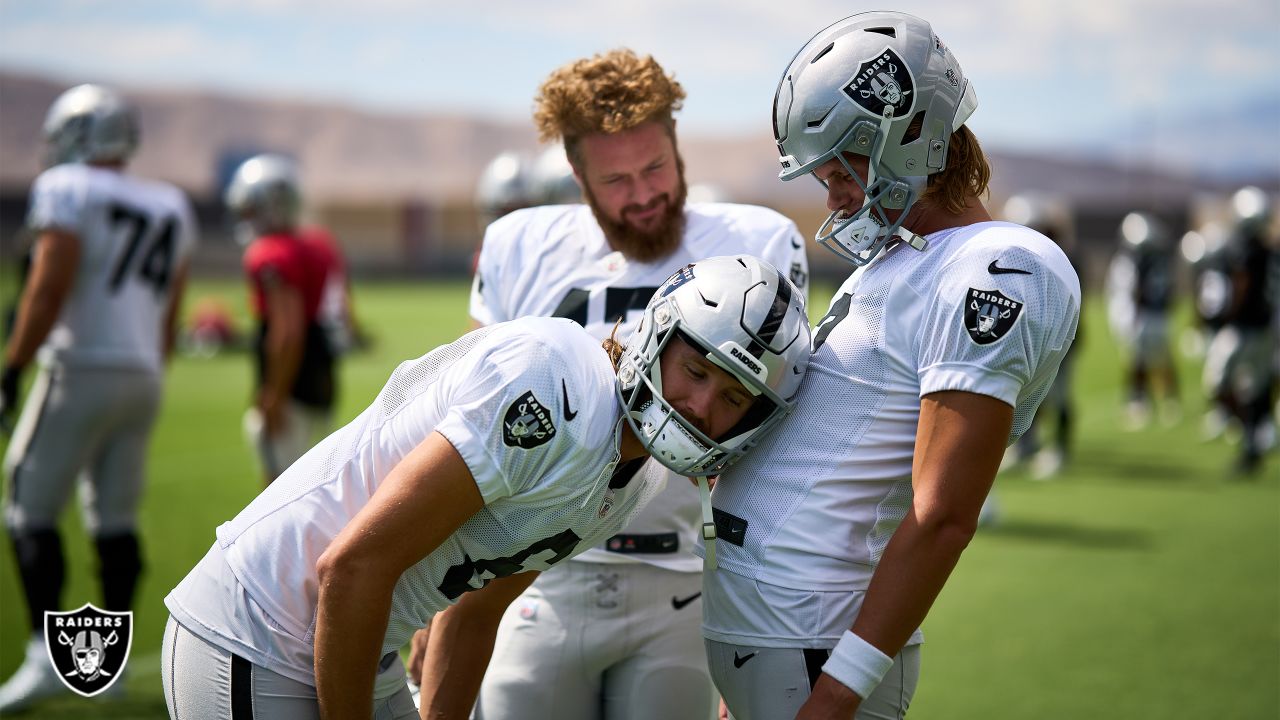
<point>531,408</point>
<point>989,308</point>
<point>134,233</point>
<point>555,261</point>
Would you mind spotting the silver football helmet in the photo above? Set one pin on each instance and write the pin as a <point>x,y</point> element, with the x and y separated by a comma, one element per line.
<point>1250,209</point>
<point>857,87</point>
<point>748,319</point>
<point>263,196</point>
<point>503,186</point>
<point>90,123</point>
<point>551,180</point>
<point>1144,233</point>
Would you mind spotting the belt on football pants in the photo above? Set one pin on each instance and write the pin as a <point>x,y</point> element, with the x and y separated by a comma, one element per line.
<point>650,544</point>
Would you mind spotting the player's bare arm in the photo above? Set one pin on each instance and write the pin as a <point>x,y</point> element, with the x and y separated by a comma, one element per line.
<point>958,450</point>
<point>460,645</point>
<point>423,500</point>
<point>286,321</point>
<point>177,289</point>
<point>53,272</point>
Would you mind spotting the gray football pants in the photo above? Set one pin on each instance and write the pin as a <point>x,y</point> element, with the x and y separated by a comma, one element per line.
<point>88,422</point>
<point>597,641</point>
<point>768,683</point>
<point>204,682</point>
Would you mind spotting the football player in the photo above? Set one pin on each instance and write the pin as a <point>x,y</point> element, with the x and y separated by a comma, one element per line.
<point>615,632</point>
<point>1053,220</point>
<point>1140,287</point>
<point>300,298</point>
<point>1239,366</point>
<point>839,531</point>
<point>504,185</point>
<point>98,314</point>
<point>479,464</point>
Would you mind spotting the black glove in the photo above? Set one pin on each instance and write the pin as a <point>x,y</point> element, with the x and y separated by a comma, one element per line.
<point>8,396</point>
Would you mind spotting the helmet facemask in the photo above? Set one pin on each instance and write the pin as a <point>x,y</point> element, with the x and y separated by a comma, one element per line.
<point>860,237</point>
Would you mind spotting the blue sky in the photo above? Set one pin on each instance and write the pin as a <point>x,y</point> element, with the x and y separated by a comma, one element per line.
<point>1128,76</point>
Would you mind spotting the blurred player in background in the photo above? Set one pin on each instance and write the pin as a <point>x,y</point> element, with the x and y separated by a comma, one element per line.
<point>100,305</point>
<point>505,185</point>
<point>551,178</point>
<point>1140,292</point>
<point>838,532</point>
<point>1240,370</point>
<point>1051,218</point>
<point>301,301</point>
<point>613,634</point>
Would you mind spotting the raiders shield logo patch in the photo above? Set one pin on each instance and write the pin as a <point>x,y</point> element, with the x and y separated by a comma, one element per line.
<point>988,315</point>
<point>527,423</point>
<point>883,81</point>
<point>88,647</point>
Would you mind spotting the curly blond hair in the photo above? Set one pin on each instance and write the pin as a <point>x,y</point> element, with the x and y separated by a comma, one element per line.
<point>606,93</point>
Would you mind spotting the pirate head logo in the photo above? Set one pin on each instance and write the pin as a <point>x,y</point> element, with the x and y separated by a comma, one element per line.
<point>527,423</point>
<point>88,647</point>
<point>680,277</point>
<point>883,81</point>
<point>988,315</point>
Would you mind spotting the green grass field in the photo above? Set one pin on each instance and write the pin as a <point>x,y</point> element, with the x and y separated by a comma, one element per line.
<point>1143,583</point>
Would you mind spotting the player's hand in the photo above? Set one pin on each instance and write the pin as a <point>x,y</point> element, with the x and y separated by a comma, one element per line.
<point>9,377</point>
<point>723,714</point>
<point>273,415</point>
<point>418,653</point>
<point>829,699</point>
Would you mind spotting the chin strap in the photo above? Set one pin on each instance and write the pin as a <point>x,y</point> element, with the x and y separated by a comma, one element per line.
<point>708,525</point>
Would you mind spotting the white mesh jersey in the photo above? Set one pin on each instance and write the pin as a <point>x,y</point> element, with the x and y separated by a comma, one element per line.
<point>134,233</point>
<point>530,406</point>
<point>554,260</point>
<point>989,308</point>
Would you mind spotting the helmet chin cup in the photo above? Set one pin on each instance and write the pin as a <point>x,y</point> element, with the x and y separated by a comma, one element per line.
<point>669,441</point>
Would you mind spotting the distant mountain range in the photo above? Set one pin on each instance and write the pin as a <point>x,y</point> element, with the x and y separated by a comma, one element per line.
<point>349,155</point>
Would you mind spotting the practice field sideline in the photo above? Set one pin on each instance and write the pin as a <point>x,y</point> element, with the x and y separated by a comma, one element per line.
<point>1143,582</point>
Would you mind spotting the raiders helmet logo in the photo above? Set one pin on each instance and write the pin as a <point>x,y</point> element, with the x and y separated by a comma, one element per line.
<point>88,647</point>
<point>527,423</point>
<point>988,315</point>
<point>883,81</point>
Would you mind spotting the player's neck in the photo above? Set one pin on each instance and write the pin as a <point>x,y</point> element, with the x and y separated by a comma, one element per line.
<point>629,446</point>
<point>926,219</point>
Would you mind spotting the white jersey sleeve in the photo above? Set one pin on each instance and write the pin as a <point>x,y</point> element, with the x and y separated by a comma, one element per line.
<point>996,315</point>
<point>507,419</point>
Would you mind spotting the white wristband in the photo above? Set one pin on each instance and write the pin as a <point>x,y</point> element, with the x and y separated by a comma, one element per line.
<point>857,664</point>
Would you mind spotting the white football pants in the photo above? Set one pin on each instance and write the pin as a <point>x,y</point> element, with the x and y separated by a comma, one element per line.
<point>599,641</point>
<point>204,682</point>
<point>768,683</point>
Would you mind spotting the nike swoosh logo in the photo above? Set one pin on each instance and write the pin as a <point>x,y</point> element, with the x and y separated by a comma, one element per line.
<point>568,413</point>
<point>740,661</point>
<point>995,269</point>
<point>796,245</point>
<point>677,603</point>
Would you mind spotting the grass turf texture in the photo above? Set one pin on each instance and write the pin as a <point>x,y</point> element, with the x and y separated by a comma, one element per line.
<point>1143,582</point>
